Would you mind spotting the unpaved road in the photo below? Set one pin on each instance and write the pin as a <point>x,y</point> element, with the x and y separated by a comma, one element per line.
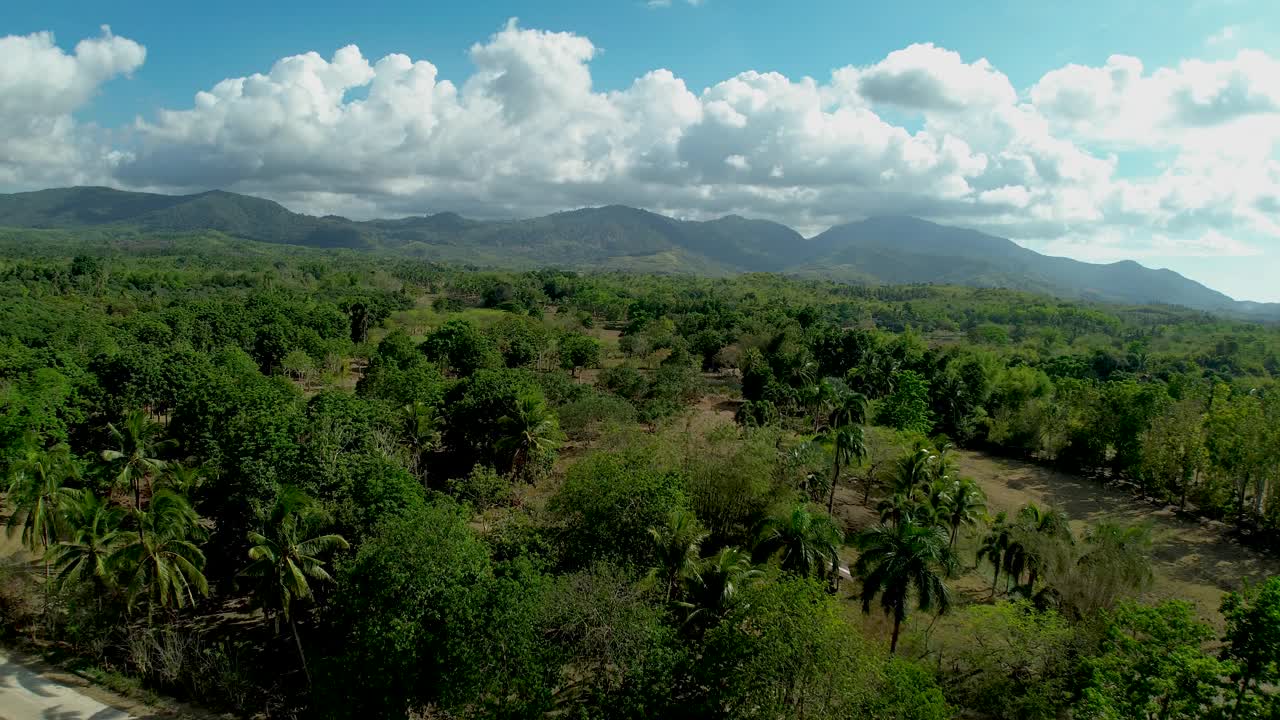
<point>28,695</point>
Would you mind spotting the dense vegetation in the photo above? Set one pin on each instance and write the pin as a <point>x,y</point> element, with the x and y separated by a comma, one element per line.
<point>338,485</point>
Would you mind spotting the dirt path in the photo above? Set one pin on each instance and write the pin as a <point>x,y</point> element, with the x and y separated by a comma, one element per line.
<point>1193,561</point>
<point>31,692</point>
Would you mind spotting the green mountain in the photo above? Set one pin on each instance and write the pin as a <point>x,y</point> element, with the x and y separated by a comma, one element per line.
<point>889,250</point>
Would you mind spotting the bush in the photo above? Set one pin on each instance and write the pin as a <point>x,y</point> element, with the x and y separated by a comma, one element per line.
<point>483,489</point>
<point>585,418</point>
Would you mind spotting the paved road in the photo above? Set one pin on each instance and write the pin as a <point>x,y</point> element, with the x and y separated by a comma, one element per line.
<point>27,695</point>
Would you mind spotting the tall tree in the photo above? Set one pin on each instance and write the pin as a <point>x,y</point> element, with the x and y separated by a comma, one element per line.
<point>676,547</point>
<point>967,505</point>
<point>712,585</point>
<point>848,446</point>
<point>39,496</point>
<point>286,555</point>
<point>94,533</point>
<point>1252,640</point>
<point>139,445</point>
<point>901,559</point>
<point>528,434</point>
<point>164,565</point>
<point>806,543</point>
<point>994,547</point>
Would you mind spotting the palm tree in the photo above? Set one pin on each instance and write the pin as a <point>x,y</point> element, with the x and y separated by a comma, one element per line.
<point>38,496</point>
<point>421,426</point>
<point>968,504</point>
<point>95,534</point>
<point>850,409</point>
<point>915,470</point>
<point>288,553</point>
<point>1036,529</point>
<point>897,509</point>
<point>896,560</point>
<point>164,564</point>
<point>37,493</point>
<point>848,445</point>
<point>182,479</point>
<point>139,447</point>
<point>677,545</point>
<point>712,586</point>
<point>529,432</point>
<point>994,547</point>
<point>807,544</point>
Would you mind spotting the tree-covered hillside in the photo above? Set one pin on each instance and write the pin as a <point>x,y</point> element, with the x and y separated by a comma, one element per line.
<point>877,250</point>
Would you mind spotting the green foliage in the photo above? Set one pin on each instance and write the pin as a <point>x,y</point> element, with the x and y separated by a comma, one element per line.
<point>579,351</point>
<point>784,648</point>
<point>1252,645</point>
<point>462,348</point>
<point>1151,664</point>
<point>608,502</point>
<point>393,606</point>
<point>482,489</point>
<point>907,408</point>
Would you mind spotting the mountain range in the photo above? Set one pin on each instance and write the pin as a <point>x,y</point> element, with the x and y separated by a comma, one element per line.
<point>878,250</point>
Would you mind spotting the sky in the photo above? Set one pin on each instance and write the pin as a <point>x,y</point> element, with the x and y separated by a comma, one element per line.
<point>1124,129</point>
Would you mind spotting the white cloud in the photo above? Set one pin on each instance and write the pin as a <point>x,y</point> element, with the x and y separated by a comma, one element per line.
<point>41,87</point>
<point>527,132</point>
<point>927,77</point>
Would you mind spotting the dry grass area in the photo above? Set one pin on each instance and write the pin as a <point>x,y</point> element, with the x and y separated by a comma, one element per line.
<point>1195,561</point>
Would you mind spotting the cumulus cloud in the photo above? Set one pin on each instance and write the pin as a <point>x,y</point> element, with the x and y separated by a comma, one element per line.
<point>41,87</point>
<point>927,77</point>
<point>527,132</point>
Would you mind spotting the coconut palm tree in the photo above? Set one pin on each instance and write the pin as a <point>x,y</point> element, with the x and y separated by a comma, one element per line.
<point>850,408</point>
<point>848,445</point>
<point>163,565</point>
<point>38,496</point>
<point>1034,534</point>
<point>915,471</point>
<point>897,561</point>
<point>94,535</point>
<point>677,546</point>
<point>967,505</point>
<point>286,555</point>
<point>994,547</point>
<point>37,493</point>
<point>529,432</point>
<point>712,585</point>
<point>421,430</point>
<point>897,509</point>
<point>806,543</point>
<point>139,446</point>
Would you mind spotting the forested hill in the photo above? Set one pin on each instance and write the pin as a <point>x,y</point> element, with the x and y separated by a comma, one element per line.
<point>878,250</point>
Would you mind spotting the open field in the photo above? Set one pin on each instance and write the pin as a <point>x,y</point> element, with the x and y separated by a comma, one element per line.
<point>1193,561</point>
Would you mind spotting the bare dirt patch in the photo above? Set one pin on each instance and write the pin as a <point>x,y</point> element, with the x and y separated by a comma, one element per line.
<point>1194,561</point>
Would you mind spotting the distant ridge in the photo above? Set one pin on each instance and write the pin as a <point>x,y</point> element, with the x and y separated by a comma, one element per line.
<point>885,249</point>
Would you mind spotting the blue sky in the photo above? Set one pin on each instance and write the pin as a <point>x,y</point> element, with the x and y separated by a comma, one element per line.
<point>958,161</point>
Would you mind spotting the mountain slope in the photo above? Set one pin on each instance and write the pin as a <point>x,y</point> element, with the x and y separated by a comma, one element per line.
<point>902,250</point>
<point>893,250</point>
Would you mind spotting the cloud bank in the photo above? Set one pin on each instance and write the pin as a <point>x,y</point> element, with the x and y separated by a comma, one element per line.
<point>527,133</point>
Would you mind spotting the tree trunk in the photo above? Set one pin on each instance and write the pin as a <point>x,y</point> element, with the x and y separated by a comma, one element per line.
<point>893,643</point>
<point>301,656</point>
<point>996,579</point>
<point>955,532</point>
<point>835,476</point>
